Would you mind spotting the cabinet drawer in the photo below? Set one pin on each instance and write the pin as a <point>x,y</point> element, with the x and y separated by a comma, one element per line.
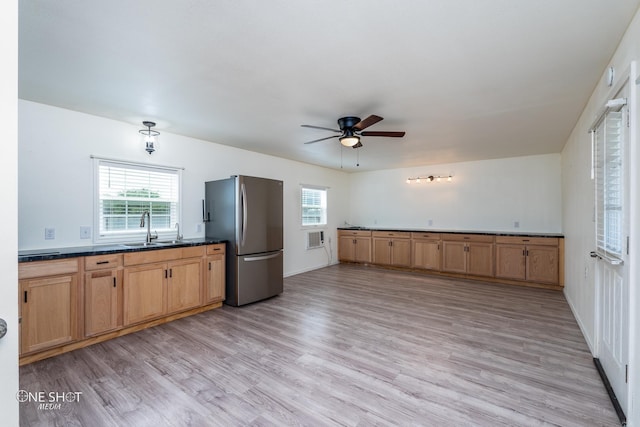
<point>216,249</point>
<point>429,236</point>
<point>192,252</point>
<point>145,257</point>
<point>392,234</point>
<point>469,238</point>
<point>355,233</point>
<point>27,270</point>
<point>523,240</point>
<point>102,261</point>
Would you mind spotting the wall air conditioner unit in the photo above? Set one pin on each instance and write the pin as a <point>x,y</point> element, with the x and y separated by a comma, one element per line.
<point>315,239</point>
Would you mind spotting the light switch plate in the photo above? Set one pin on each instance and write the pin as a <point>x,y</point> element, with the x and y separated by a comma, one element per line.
<point>85,232</point>
<point>49,233</point>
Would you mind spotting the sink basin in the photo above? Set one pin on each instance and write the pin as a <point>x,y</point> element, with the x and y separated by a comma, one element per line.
<point>140,244</point>
<point>168,242</point>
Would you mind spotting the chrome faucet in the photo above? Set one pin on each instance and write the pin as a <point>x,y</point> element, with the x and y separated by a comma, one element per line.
<point>178,235</point>
<point>148,215</point>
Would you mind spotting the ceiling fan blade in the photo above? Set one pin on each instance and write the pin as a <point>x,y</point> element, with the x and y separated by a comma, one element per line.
<point>358,145</point>
<point>320,127</point>
<point>383,133</point>
<point>371,120</point>
<point>321,139</point>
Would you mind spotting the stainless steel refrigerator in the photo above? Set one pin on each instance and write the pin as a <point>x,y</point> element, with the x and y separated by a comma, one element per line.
<point>247,212</point>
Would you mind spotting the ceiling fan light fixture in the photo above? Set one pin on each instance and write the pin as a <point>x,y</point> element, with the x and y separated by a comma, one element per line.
<point>349,141</point>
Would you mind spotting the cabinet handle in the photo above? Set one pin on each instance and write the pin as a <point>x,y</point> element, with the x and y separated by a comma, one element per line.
<point>527,252</point>
<point>209,266</point>
<point>114,282</point>
<point>166,274</point>
<point>216,249</point>
<point>390,243</point>
<point>524,253</point>
<point>102,262</point>
<point>25,296</point>
<point>171,272</point>
<point>438,247</point>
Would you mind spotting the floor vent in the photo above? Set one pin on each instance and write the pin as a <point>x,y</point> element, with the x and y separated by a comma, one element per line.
<point>315,239</point>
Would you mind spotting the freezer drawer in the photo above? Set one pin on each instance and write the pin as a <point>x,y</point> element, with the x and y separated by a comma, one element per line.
<point>258,276</point>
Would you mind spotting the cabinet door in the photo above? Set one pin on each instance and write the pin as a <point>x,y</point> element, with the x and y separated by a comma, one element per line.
<point>426,254</point>
<point>480,259</point>
<point>542,264</point>
<point>144,292</point>
<point>454,256</point>
<point>511,262</point>
<point>346,248</point>
<point>48,312</point>
<point>215,279</point>
<point>362,249</point>
<point>101,292</point>
<point>382,251</point>
<point>184,284</point>
<point>401,252</point>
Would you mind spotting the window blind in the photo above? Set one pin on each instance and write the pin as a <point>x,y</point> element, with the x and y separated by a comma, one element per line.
<point>126,191</point>
<point>314,206</point>
<point>609,185</point>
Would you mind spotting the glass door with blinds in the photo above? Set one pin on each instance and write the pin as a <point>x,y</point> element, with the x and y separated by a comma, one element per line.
<point>611,183</point>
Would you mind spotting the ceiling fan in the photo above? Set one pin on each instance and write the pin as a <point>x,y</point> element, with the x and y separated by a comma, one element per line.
<point>352,128</point>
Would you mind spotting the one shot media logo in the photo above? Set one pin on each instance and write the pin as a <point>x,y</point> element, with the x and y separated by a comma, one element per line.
<point>48,400</point>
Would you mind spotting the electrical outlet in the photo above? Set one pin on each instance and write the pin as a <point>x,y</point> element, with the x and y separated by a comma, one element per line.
<point>198,228</point>
<point>49,233</point>
<point>85,232</point>
<point>430,222</point>
<point>516,224</point>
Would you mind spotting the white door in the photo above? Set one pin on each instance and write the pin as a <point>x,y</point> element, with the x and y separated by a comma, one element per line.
<point>612,231</point>
<point>9,197</point>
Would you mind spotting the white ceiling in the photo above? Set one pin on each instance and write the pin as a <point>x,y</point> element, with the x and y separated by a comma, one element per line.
<point>466,79</point>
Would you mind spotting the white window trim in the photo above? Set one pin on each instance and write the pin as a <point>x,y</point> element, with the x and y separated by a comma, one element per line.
<point>314,187</point>
<point>138,235</point>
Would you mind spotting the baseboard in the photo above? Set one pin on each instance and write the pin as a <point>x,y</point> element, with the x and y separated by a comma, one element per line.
<point>305,270</point>
<point>586,337</point>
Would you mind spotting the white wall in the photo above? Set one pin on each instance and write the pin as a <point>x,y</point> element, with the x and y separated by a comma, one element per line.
<point>9,196</point>
<point>56,178</point>
<point>487,195</point>
<point>578,225</point>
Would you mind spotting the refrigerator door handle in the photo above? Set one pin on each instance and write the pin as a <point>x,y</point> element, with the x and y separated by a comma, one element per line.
<point>243,189</point>
<point>262,257</point>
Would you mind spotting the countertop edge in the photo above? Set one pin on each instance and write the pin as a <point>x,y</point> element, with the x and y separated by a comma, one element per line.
<point>80,251</point>
<point>483,233</point>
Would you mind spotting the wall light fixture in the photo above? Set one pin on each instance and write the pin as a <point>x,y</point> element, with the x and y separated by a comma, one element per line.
<point>430,178</point>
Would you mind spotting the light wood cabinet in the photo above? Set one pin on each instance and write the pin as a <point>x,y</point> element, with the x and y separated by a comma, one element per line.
<point>102,294</point>
<point>425,251</point>
<point>184,284</point>
<point>468,254</point>
<point>215,274</point>
<point>48,304</point>
<point>528,259</point>
<point>392,248</point>
<point>145,292</point>
<point>354,246</point>
<point>155,289</point>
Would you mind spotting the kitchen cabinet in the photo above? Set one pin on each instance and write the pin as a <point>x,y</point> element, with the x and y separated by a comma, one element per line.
<point>161,282</point>
<point>528,259</point>
<point>48,304</point>
<point>354,246</point>
<point>392,248</point>
<point>102,293</point>
<point>468,254</point>
<point>215,274</point>
<point>425,251</point>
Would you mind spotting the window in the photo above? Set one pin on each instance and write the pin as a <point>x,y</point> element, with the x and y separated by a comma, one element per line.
<point>124,191</point>
<point>609,184</point>
<point>314,206</point>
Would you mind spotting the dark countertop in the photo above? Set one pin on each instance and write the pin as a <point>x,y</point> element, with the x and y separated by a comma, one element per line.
<point>78,251</point>
<point>485,233</point>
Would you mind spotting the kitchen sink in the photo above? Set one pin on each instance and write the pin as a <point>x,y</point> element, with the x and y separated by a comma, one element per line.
<point>140,244</point>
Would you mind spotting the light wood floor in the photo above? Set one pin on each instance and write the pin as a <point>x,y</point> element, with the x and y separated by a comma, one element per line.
<point>344,345</point>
